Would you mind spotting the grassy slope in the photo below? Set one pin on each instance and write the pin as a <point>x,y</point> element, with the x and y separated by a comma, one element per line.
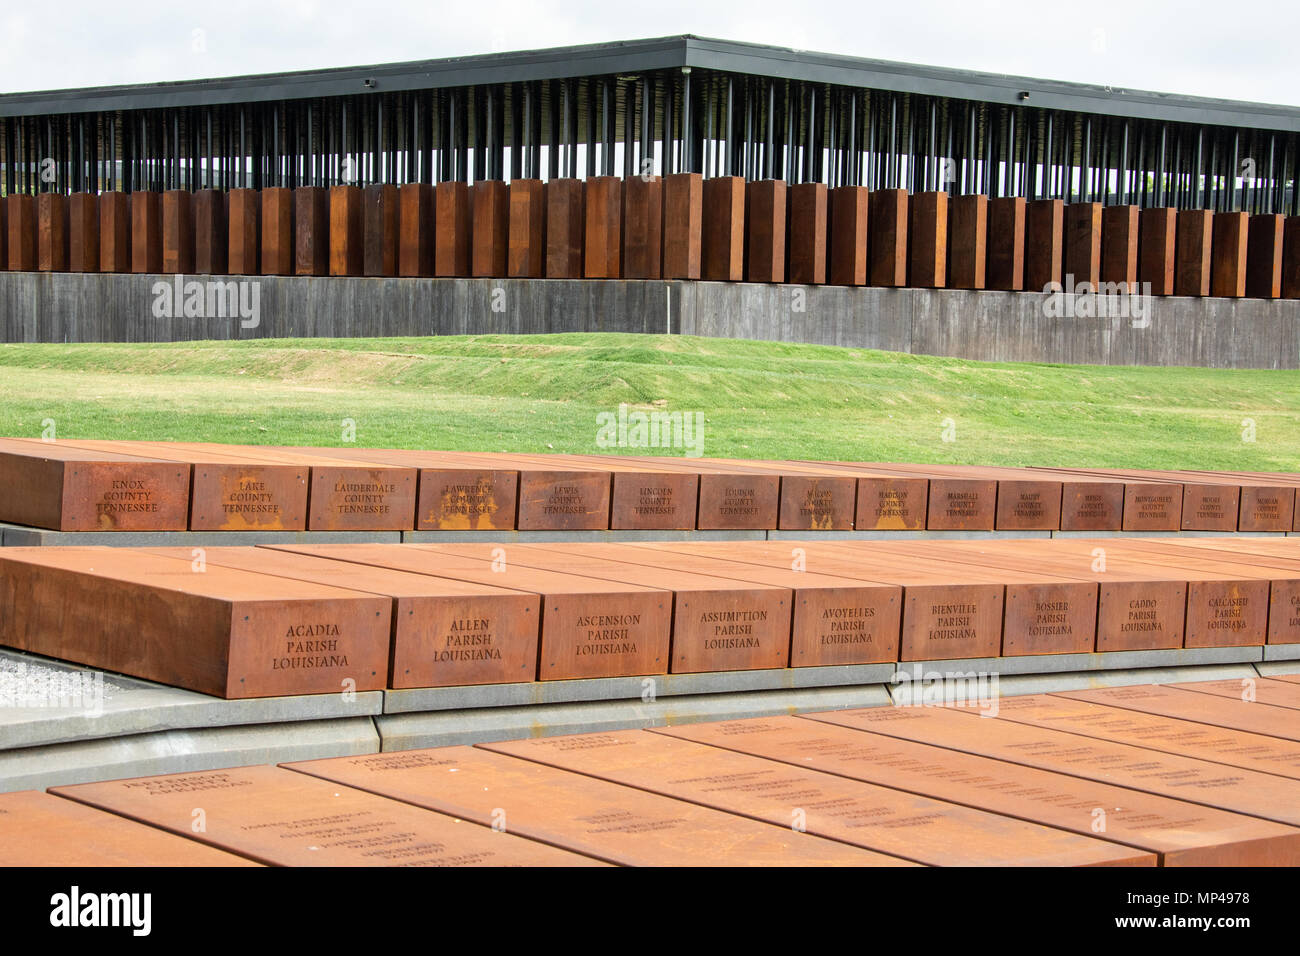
<point>759,399</point>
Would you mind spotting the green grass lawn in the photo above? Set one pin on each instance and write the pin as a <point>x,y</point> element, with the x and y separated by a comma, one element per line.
<point>541,393</point>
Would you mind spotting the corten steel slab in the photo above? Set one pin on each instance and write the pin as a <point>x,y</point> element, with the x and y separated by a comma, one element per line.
<point>1192,252</point>
<point>1082,255</point>
<point>927,265</point>
<point>83,232</point>
<point>1043,612</point>
<point>56,486</point>
<point>891,504</point>
<point>1266,508</point>
<point>20,210</point>
<point>564,229</point>
<point>1005,266</point>
<point>719,623</point>
<point>347,257</point>
<point>848,212</point>
<point>1290,258</point>
<point>1264,256</point>
<point>177,231</point>
<point>490,233</point>
<point>954,503</point>
<point>1227,502</point>
<point>146,232</point>
<point>887,226</point>
<point>210,241</point>
<point>380,226</point>
<point>277,231</point>
<point>40,829</point>
<point>526,257</point>
<point>453,495</point>
<point>603,820</point>
<point>1148,505</point>
<point>722,246</point>
<point>1227,605</point>
<point>1252,717</point>
<point>653,499</point>
<point>1166,734</point>
<point>814,496</point>
<point>683,227</point>
<point>345,495</point>
<point>346,498</point>
<point>602,227</point>
<point>962,505</point>
<point>245,222</point>
<point>835,620</point>
<point>1136,609</point>
<point>1284,599</point>
<point>765,230</point>
<point>1228,602</point>
<point>445,633</point>
<point>730,496</point>
<point>1152,506</point>
<point>563,500</point>
<point>590,627</point>
<point>1028,505</point>
<point>452,226</point>
<point>1228,254</point>
<point>1119,246</point>
<point>229,633</point>
<point>946,615</point>
<point>227,493</point>
<point>881,819</point>
<point>817,502</point>
<point>1157,242</point>
<point>1291,678</point>
<point>282,818</point>
<point>52,232</point>
<point>4,236</point>
<point>1044,243</point>
<point>114,232</point>
<point>1169,775</point>
<point>968,223</point>
<point>1182,834</point>
<point>807,218</point>
<point>643,224</point>
<point>416,220</point>
<point>645,494</point>
<point>311,231</point>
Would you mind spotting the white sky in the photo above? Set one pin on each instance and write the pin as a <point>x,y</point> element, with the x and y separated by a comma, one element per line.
<point>1244,51</point>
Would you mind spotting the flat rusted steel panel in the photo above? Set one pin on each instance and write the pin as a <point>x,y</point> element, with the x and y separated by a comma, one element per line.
<point>880,819</point>
<point>1265,690</point>
<point>40,829</point>
<point>1253,717</point>
<point>603,820</point>
<point>282,818</point>
<point>1167,734</point>
<point>1169,775</point>
<point>1181,833</point>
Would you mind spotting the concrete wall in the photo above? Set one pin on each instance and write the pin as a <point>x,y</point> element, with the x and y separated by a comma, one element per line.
<point>991,326</point>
